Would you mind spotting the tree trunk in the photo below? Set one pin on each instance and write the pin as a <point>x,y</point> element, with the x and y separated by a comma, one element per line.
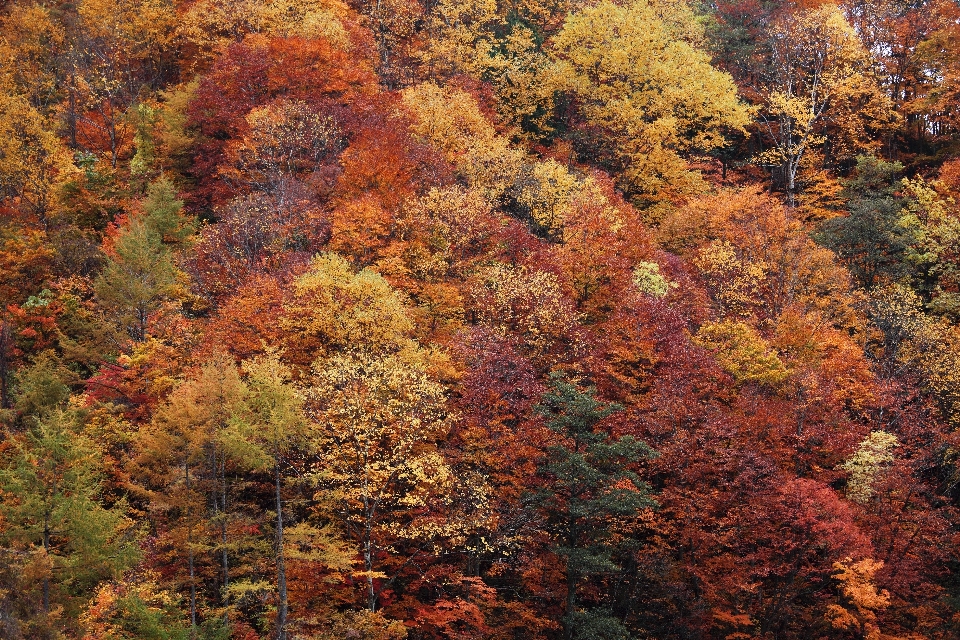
<point>5,344</point>
<point>72,112</point>
<point>572,578</point>
<point>46,578</point>
<point>193,584</point>
<point>790,182</point>
<point>368,551</point>
<point>368,564</point>
<point>223,526</point>
<point>281,571</point>
<point>571,603</point>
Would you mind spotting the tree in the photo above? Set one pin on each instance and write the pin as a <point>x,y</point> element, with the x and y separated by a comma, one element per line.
<point>857,585</point>
<point>590,482</point>
<point>502,44</point>
<point>119,49</point>
<point>530,305</point>
<point>255,72</point>
<point>870,241</point>
<point>211,25</point>
<point>742,352</point>
<point>138,278</point>
<point>33,161</point>
<point>134,607</point>
<point>185,459</point>
<point>930,220</point>
<point>638,77</point>
<point>451,121</point>
<point>335,310</point>
<point>287,140</point>
<point>50,478</point>
<point>815,93</point>
<point>871,459</point>
<point>140,274</point>
<point>268,431</point>
<point>379,419</point>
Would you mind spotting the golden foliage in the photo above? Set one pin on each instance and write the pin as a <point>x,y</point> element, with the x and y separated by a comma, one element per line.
<point>335,309</point>
<point>817,88</point>
<point>451,121</point>
<point>857,586</point>
<point>871,458</point>
<point>30,41</point>
<point>742,352</point>
<point>33,161</point>
<point>655,94</point>
<point>137,27</point>
<point>212,24</point>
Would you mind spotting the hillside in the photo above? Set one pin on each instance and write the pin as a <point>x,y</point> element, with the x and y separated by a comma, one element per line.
<point>479,320</point>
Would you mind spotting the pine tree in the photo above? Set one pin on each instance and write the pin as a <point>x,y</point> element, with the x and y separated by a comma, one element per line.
<point>590,489</point>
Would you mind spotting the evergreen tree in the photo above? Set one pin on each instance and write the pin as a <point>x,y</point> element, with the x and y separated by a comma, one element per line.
<point>139,276</point>
<point>164,212</point>
<point>590,490</point>
<point>869,240</point>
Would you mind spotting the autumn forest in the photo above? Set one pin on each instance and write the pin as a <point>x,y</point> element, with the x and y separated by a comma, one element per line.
<point>479,319</point>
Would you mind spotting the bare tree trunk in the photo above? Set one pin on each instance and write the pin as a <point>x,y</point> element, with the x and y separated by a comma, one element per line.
<point>281,570</point>
<point>5,344</point>
<point>368,551</point>
<point>193,584</point>
<point>72,112</point>
<point>225,560</point>
<point>791,182</point>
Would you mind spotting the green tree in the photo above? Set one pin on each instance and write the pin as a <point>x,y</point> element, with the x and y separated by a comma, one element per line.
<point>870,241</point>
<point>164,213</point>
<point>135,608</point>
<point>589,496</point>
<point>50,479</point>
<point>138,278</point>
<point>141,273</point>
<point>42,387</point>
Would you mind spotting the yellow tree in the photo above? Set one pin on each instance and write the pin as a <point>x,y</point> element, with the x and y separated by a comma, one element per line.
<point>33,162</point>
<point>287,139</point>
<point>638,75</point>
<point>380,419</point>
<point>335,309</point>
<point>872,458</point>
<point>32,46</point>
<point>451,121</point>
<point>500,43</point>
<point>815,85</point>
<point>860,595</point>
<point>377,414</point>
<point>182,457</point>
<point>210,25</point>
<point>267,433</point>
